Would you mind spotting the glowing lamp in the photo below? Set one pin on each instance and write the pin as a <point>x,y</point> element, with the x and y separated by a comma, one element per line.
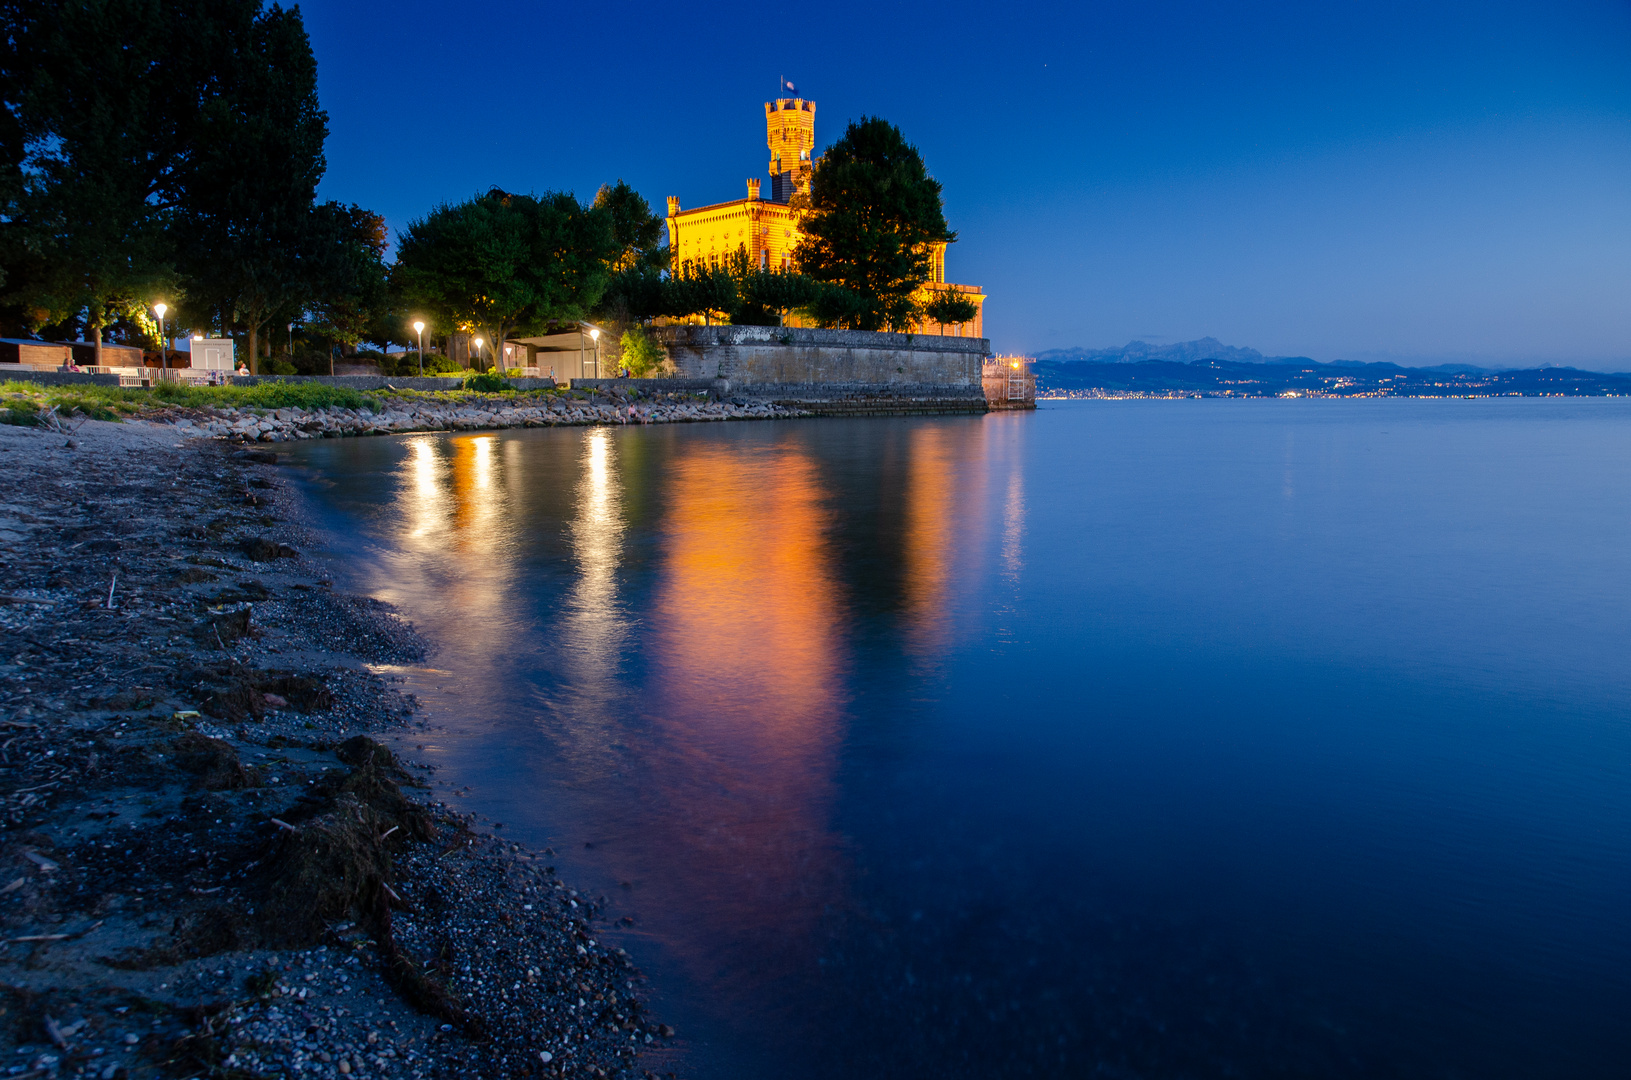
<point>161,309</point>
<point>419,328</point>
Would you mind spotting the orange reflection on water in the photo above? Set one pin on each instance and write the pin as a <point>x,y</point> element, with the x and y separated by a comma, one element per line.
<point>746,639</point>
<point>929,542</point>
<point>455,505</point>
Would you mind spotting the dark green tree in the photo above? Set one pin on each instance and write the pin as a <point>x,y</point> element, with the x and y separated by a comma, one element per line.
<point>636,231</point>
<point>699,288</point>
<point>500,263</point>
<point>949,308</point>
<point>349,273</point>
<point>252,246</point>
<point>874,215</point>
<point>768,295</point>
<point>97,121</point>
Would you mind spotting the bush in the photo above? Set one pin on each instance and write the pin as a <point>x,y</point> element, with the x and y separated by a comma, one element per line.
<point>407,364</point>
<point>642,356</point>
<point>487,382</point>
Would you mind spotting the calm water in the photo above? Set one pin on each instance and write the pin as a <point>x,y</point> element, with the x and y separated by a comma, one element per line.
<point>1127,739</point>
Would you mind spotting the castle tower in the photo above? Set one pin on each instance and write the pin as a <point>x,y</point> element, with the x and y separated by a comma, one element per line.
<point>790,132</point>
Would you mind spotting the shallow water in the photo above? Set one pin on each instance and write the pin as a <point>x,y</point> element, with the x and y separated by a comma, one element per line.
<point>1161,739</point>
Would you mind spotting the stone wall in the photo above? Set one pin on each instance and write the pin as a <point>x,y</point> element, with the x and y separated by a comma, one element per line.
<point>56,378</point>
<point>752,355</point>
<point>834,371</point>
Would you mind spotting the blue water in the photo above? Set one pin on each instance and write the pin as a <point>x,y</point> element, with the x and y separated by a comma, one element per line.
<point>1123,739</point>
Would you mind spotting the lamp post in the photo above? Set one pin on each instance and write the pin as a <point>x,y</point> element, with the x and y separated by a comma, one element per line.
<point>160,309</point>
<point>291,343</point>
<point>477,343</point>
<point>419,328</point>
<point>594,335</point>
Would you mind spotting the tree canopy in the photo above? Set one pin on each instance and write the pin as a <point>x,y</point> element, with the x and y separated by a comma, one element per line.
<point>502,263</point>
<point>873,217</point>
<point>133,170</point>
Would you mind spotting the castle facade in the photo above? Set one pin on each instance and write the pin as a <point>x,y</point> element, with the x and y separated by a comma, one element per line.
<point>768,229</point>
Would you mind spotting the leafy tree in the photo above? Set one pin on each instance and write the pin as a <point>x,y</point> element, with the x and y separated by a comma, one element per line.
<point>349,282</point>
<point>874,214</point>
<point>636,231</point>
<point>635,293</point>
<point>768,295</point>
<point>701,289</point>
<point>641,355</point>
<point>252,246</point>
<point>501,263</point>
<point>96,121</point>
<point>948,308</point>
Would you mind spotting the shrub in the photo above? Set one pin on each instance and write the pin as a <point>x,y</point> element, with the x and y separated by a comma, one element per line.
<point>642,356</point>
<point>487,382</point>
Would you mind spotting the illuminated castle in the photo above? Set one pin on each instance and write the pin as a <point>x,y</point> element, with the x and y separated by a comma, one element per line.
<point>768,230</point>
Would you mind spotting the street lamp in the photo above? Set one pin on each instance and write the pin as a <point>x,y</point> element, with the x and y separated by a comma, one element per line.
<point>160,309</point>
<point>594,335</point>
<point>477,343</point>
<point>419,328</point>
<point>291,343</point>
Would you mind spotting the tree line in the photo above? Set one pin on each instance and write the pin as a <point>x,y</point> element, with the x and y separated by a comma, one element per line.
<point>133,171</point>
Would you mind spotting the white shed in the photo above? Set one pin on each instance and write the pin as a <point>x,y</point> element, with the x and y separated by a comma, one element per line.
<point>212,354</point>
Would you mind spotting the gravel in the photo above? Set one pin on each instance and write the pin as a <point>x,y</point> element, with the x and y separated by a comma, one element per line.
<point>181,771</point>
<point>468,413</point>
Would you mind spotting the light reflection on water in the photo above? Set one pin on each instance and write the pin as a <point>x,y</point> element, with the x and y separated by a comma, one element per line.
<point>1136,741</point>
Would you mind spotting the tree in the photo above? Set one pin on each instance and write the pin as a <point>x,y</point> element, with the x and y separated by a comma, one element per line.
<point>349,278</point>
<point>500,263</point>
<point>636,231</point>
<point>252,247</point>
<point>700,289</point>
<point>949,307</point>
<point>641,355</point>
<point>874,215</point>
<point>768,295</point>
<point>97,120</point>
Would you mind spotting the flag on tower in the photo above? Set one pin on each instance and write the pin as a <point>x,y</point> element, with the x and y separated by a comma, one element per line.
<point>791,89</point>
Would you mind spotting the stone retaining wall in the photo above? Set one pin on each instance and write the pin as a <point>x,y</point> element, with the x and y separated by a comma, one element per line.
<point>56,378</point>
<point>749,356</point>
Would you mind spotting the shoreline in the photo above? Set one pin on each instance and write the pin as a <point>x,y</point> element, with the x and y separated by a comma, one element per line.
<point>208,865</point>
<point>476,412</point>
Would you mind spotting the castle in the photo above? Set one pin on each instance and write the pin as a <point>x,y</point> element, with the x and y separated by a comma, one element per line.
<point>768,229</point>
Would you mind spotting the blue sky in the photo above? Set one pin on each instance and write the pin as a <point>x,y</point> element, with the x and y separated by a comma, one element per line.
<point>1419,182</point>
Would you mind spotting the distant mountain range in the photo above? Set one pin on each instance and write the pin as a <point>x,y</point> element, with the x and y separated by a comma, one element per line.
<point>1184,352</point>
<point>1210,348</point>
<point>1301,377</point>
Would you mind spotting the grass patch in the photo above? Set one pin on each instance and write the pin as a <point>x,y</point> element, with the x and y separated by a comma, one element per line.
<point>22,402</point>
<point>114,402</point>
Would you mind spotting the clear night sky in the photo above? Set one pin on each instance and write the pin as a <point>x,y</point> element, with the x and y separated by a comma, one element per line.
<point>1412,181</point>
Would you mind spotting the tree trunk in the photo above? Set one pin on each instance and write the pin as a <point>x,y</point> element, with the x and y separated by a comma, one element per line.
<point>98,340</point>
<point>254,347</point>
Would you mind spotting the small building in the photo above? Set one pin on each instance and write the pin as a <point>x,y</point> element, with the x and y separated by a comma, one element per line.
<point>84,354</point>
<point>31,353</point>
<point>211,354</point>
<point>1009,382</point>
<point>572,354</point>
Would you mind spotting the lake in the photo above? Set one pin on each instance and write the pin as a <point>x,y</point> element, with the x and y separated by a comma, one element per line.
<point>1124,738</point>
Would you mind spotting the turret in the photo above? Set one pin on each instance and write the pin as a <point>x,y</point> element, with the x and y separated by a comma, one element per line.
<point>753,189</point>
<point>790,133</point>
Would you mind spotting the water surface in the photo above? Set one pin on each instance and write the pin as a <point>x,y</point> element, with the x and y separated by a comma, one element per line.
<point>1132,739</point>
